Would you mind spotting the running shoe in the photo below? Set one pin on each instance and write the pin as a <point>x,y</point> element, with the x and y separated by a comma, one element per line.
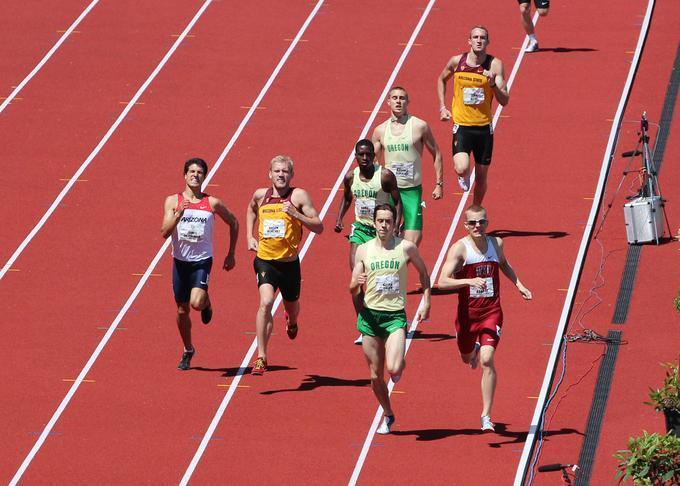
<point>291,329</point>
<point>386,425</point>
<point>464,183</point>
<point>533,46</point>
<point>259,367</point>
<point>359,340</point>
<point>206,314</point>
<point>487,424</point>
<point>186,360</point>
<point>474,361</point>
<point>395,378</point>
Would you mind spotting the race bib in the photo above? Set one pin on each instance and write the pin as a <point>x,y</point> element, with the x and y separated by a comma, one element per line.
<point>473,96</point>
<point>387,284</point>
<point>191,231</point>
<point>403,170</point>
<point>487,291</point>
<point>365,207</point>
<point>274,228</point>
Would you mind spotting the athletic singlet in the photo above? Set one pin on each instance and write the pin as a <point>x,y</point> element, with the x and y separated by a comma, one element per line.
<point>472,95</point>
<point>401,157</point>
<point>365,194</point>
<point>278,232</point>
<point>192,239</point>
<point>385,276</point>
<point>484,266</point>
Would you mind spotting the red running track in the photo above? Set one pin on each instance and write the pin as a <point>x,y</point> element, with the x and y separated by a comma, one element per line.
<point>140,421</point>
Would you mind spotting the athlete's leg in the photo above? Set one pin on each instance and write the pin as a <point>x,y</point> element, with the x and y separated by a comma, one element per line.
<point>486,354</point>
<point>374,350</point>
<point>542,11</point>
<point>184,325</point>
<point>264,323</point>
<point>461,164</point>
<point>481,172</point>
<point>352,253</point>
<point>525,15</point>
<point>395,347</point>
<point>199,299</point>
<point>292,309</point>
<point>416,236</point>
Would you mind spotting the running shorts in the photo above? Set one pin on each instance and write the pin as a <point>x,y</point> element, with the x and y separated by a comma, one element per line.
<point>280,275</point>
<point>361,233</point>
<point>380,324</point>
<point>189,275</point>
<point>411,201</point>
<point>483,325</point>
<point>478,140</point>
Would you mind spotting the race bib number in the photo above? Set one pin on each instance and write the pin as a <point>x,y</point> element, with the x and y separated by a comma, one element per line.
<point>387,284</point>
<point>365,207</point>
<point>403,170</point>
<point>473,96</point>
<point>191,231</point>
<point>487,291</point>
<point>274,228</point>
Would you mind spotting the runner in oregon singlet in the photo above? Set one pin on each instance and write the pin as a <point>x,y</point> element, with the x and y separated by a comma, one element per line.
<point>401,157</point>
<point>385,277</point>
<point>365,194</point>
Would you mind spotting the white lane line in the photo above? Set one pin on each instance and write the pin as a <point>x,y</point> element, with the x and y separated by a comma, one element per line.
<point>102,142</point>
<point>48,55</point>
<point>62,406</point>
<point>536,422</point>
<point>435,270</point>
<point>251,351</point>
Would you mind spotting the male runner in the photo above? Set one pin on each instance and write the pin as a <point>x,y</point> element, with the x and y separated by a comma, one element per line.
<point>189,218</point>
<point>478,77</point>
<point>368,184</point>
<point>380,270</point>
<point>402,138</point>
<point>282,212</point>
<point>472,265</point>
<point>542,7</point>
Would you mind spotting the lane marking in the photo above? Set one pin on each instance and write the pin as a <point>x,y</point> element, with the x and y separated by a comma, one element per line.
<point>72,32</point>
<point>105,339</point>
<point>47,56</point>
<point>150,275</point>
<point>103,141</point>
<point>77,180</point>
<point>440,259</point>
<point>74,379</point>
<point>537,420</point>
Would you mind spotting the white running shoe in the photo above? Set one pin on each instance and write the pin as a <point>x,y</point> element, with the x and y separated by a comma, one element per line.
<point>464,183</point>
<point>359,340</point>
<point>386,425</point>
<point>533,46</point>
<point>487,424</point>
<point>474,361</point>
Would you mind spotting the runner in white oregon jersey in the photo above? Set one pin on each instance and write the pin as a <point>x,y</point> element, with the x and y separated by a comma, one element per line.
<point>189,218</point>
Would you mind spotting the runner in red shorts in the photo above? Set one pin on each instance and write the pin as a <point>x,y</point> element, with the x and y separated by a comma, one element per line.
<point>472,265</point>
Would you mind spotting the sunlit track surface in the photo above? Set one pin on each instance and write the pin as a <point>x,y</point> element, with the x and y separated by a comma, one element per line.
<point>313,409</point>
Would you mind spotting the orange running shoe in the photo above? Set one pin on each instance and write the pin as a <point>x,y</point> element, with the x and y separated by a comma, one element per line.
<point>259,367</point>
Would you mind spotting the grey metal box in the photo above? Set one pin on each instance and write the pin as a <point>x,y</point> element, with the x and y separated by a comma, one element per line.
<point>644,219</point>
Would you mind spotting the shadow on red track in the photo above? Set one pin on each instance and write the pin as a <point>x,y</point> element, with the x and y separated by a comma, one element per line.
<point>312,382</point>
<point>501,431</point>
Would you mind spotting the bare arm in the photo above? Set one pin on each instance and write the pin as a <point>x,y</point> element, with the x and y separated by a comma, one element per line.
<point>388,182</point>
<point>307,215</point>
<point>433,148</point>
<point>171,215</point>
<point>508,271</point>
<point>251,217</point>
<point>415,258</point>
<point>377,139</point>
<point>358,272</point>
<point>455,258</point>
<point>346,200</point>
<point>497,82</point>
<point>228,217</point>
<point>444,113</point>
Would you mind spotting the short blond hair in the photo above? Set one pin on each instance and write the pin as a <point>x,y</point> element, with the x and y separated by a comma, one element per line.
<point>474,208</point>
<point>282,159</point>
<point>481,27</point>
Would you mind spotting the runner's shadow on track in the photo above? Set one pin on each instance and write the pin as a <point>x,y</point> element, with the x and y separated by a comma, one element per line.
<point>501,430</point>
<point>565,49</point>
<point>230,372</point>
<point>316,381</point>
<point>510,233</point>
<point>418,334</point>
<point>521,437</point>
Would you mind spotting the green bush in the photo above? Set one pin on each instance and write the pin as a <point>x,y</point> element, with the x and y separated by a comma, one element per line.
<point>652,459</point>
<point>668,396</point>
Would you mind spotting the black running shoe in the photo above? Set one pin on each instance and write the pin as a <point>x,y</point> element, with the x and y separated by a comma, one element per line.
<point>206,315</point>
<point>186,360</point>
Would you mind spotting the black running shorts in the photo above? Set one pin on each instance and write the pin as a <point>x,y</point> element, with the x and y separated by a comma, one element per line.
<point>280,275</point>
<point>539,3</point>
<point>478,140</point>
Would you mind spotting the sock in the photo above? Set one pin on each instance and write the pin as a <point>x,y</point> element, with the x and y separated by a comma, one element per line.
<point>532,37</point>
